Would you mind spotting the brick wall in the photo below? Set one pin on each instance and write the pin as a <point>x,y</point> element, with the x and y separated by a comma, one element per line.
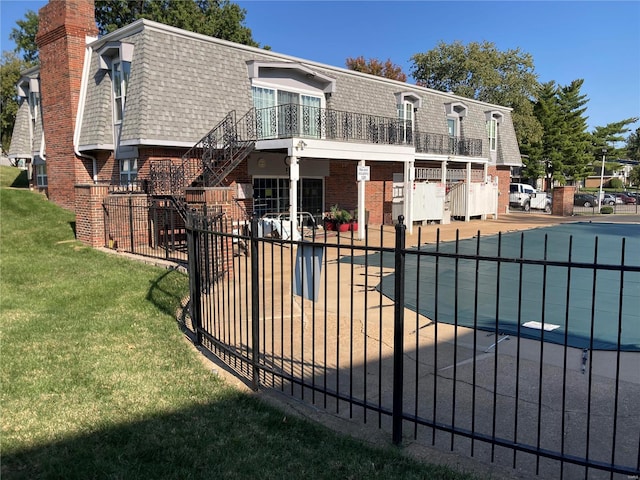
<point>341,188</point>
<point>61,39</point>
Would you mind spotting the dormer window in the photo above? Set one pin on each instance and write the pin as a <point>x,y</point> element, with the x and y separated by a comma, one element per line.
<point>117,57</point>
<point>29,88</point>
<point>493,119</point>
<point>455,111</point>
<point>407,103</point>
<point>288,98</point>
<point>120,78</point>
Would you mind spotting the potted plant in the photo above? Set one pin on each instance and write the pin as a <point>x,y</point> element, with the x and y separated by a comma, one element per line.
<point>328,222</point>
<point>342,218</point>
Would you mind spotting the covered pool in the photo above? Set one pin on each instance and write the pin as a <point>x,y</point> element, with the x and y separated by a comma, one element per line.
<point>551,291</point>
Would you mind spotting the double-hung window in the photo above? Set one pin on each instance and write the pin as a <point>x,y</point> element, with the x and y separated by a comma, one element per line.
<point>405,116</point>
<point>120,78</point>
<point>493,119</point>
<point>452,130</point>
<point>128,170</point>
<point>34,105</point>
<point>41,175</point>
<point>492,133</point>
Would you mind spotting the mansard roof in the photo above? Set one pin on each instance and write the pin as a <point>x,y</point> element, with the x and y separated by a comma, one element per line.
<point>183,83</point>
<point>20,140</point>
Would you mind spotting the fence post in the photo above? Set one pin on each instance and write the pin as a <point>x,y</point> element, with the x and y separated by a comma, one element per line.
<point>133,250</point>
<point>255,304</point>
<point>194,258</point>
<point>398,332</point>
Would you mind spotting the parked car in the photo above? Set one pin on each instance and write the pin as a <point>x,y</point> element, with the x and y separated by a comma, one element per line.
<point>610,199</point>
<point>635,195</point>
<point>585,200</point>
<point>626,199</point>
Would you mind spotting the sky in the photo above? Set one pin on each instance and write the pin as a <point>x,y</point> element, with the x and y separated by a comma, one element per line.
<point>597,41</point>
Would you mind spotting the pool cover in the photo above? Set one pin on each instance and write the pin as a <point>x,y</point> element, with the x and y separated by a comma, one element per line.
<point>558,303</point>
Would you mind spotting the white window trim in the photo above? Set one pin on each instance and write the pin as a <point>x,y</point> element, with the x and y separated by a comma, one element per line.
<point>254,67</point>
<point>111,51</point>
<point>456,109</point>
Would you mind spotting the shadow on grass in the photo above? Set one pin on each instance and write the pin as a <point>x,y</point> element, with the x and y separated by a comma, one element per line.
<point>235,436</point>
<point>168,290</point>
<point>21,181</point>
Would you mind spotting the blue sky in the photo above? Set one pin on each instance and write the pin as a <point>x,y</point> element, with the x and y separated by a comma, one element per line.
<point>595,41</point>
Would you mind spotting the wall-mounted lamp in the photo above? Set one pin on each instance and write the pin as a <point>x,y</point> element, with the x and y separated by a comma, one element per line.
<point>301,145</point>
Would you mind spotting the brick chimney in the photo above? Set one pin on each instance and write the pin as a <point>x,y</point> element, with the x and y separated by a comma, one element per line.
<point>61,39</point>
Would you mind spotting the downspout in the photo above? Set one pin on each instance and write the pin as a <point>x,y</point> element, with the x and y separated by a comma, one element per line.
<point>80,113</point>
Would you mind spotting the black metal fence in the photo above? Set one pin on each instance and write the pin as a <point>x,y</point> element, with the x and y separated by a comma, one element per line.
<point>146,226</point>
<point>336,322</point>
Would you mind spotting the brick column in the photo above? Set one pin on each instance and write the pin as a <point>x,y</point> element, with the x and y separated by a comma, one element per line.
<point>90,214</point>
<point>61,39</point>
<point>504,179</point>
<point>563,201</point>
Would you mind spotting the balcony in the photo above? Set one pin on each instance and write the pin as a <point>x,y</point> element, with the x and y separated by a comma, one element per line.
<point>304,121</point>
<point>445,145</point>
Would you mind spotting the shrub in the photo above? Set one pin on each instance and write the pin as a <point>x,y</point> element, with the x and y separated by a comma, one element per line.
<point>616,183</point>
<point>606,209</point>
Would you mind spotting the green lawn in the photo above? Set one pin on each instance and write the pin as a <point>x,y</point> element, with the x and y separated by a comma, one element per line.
<point>97,381</point>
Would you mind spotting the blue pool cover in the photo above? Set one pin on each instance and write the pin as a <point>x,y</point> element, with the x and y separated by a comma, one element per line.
<point>558,303</point>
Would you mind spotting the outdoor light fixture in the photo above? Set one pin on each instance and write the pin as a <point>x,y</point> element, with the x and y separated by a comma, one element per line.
<point>600,196</point>
<point>301,145</point>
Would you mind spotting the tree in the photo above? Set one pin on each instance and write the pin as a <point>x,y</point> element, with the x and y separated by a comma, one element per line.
<point>634,176</point>
<point>10,69</point>
<point>576,140</point>
<point>633,145</point>
<point>375,67</point>
<point>565,150</point>
<point>215,18</point>
<point>544,157</point>
<point>610,135</point>
<point>482,72</point>
<point>24,36</point>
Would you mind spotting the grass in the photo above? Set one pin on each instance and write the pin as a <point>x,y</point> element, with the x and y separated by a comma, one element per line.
<point>97,381</point>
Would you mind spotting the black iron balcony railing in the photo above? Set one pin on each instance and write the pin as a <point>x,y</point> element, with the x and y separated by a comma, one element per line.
<point>445,145</point>
<point>306,121</point>
<point>294,120</point>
